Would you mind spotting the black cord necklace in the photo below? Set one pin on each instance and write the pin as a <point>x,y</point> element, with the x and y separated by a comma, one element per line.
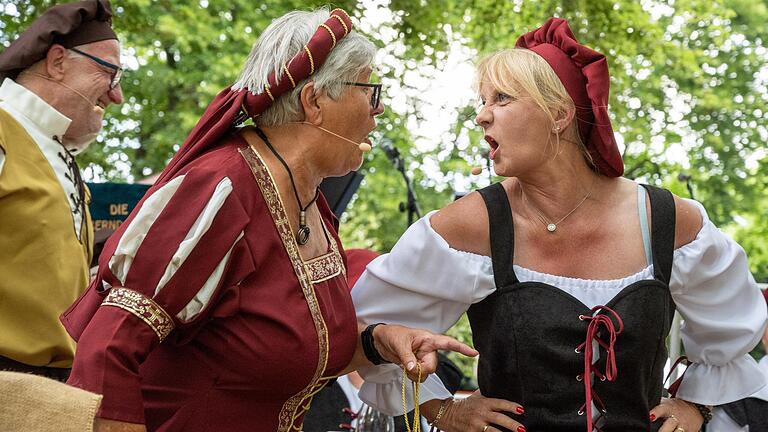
<point>302,235</point>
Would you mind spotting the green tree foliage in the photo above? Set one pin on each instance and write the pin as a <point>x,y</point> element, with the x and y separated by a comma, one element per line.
<point>688,93</point>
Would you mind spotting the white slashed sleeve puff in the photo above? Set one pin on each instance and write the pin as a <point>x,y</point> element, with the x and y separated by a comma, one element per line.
<point>121,260</point>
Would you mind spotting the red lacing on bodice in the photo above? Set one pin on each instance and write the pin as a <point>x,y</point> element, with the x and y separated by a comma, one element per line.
<point>596,321</point>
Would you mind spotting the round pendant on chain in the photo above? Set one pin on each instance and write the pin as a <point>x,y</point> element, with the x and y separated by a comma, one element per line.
<point>551,227</point>
<point>302,236</point>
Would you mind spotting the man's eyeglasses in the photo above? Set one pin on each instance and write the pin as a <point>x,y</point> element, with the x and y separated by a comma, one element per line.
<point>375,95</point>
<point>117,71</point>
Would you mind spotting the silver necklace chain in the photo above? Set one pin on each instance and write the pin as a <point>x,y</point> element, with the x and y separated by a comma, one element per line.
<point>552,226</point>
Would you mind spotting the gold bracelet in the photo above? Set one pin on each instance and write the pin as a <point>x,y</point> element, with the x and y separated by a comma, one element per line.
<point>440,412</point>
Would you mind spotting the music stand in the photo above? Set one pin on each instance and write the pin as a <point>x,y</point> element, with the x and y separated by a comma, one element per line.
<point>338,191</point>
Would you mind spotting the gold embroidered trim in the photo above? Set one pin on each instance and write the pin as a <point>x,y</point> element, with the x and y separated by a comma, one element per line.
<point>346,29</point>
<point>342,11</point>
<point>295,406</point>
<point>143,307</point>
<point>324,267</point>
<point>290,77</point>
<point>269,93</point>
<point>333,36</point>
<point>311,60</point>
<point>335,249</point>
<point>306,401</point>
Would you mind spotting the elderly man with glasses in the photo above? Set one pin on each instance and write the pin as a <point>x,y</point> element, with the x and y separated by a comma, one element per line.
<point>59,77</point>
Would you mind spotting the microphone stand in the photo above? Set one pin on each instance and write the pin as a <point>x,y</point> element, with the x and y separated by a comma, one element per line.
<point>687,179</point>
<point>412,206</point>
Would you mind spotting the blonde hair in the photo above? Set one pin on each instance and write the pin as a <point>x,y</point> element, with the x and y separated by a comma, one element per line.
<point>520,71</point>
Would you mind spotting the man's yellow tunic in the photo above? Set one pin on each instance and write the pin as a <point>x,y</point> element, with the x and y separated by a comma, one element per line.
<point>45,232</point>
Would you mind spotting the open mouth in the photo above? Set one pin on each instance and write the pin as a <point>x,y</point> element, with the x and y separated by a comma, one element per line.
<point>494,146</point>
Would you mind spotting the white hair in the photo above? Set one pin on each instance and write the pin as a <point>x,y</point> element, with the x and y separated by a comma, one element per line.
<point>282,40</point>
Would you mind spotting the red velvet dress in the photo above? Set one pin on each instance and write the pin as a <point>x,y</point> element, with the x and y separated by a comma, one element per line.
<point>268,337</point>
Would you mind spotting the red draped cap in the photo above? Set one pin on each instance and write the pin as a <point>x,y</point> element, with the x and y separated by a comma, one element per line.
<point>229,104</point>
<point>584,73</point>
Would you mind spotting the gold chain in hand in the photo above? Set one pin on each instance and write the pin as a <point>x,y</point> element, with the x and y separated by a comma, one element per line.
<point>415,387</point>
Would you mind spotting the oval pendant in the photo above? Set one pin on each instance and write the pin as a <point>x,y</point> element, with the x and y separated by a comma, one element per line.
<point>551,227</point>
<point>302,236</point>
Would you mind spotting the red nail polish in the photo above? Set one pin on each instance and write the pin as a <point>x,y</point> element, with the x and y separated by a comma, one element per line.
<point>653,417</point>
<point>521,429</point>
<point>519,410</point>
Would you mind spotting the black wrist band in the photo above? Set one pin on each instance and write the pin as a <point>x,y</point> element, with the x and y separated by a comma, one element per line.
<point>705,411</point>
<point>371,353</point>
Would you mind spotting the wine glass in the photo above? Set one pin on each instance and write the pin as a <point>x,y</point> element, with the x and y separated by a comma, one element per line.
<point>371,420</point>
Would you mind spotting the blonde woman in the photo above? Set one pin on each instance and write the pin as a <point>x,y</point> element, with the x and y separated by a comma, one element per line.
<point>571,282</point>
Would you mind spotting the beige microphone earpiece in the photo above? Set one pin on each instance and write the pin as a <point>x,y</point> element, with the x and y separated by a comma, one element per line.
<point>363,147</point>
<point>96,107</point>
<point>476,170</point>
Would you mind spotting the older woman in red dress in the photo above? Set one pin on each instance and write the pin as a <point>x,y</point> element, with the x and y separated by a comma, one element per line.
<point>222,304</point>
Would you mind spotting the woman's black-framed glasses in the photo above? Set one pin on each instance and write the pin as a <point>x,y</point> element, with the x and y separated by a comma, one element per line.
<point>117,71</point>
<point>375,95</point>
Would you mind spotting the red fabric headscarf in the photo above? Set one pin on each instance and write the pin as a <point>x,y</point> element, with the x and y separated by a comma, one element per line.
<point>584,73</point>
<point>229,105</point>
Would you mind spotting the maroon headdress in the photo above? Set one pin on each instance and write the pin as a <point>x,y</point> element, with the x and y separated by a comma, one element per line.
<point>584,73</point>
<point>230,105</point>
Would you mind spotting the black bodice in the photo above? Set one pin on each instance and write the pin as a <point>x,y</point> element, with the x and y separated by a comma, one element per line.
<point>531,337</point>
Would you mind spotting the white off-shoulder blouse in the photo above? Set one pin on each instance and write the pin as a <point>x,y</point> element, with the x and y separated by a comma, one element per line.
<point>424,283</point>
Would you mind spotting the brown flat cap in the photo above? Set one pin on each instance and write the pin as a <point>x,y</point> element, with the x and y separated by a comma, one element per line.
<point>68,24</point>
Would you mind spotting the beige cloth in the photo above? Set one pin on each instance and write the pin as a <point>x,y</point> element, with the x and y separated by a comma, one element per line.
<point>30,403</point>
